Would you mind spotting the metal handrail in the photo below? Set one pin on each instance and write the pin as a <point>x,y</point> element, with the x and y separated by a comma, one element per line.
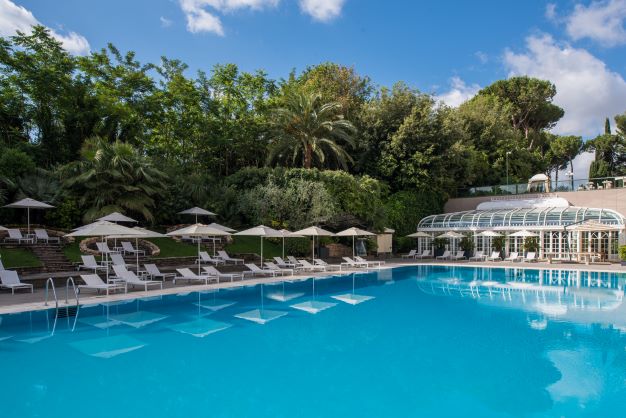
<point>56,300</point>
<point>67,289</point>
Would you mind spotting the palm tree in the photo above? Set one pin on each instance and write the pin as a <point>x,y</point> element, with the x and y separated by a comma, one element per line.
<point>307,129</point>
<point>113,177</point>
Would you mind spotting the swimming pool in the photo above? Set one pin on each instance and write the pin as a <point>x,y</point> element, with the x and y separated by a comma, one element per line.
<point>412,341</point>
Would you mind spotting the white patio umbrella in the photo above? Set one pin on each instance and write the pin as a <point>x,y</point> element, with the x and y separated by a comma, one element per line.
<point>419,235</point>
<point>450,234</point>
<point>354,232</point>
<point>29,204</point>
<point>260,231</point>
<point>197,212</point>
<point>288,234</point>
<point>524,234</point>
<point>314,231</point>
<point>222,227</point>
<point>104,229</point>
<point>198,230</point>
<point>117,217</point>
<point>3,228</point>
<point>146,234</point>
<point>491,234</point>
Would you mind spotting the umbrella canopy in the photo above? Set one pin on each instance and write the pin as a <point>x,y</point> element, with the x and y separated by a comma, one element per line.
<point>287,234</point>
<point>389,231</point>
<point>221,227</point>
<point>314,231</point>
<point>198,230</point>
<point>117,217</point>
<point>489,234</point>
<point>261,231</point>
<point>354,232</point>
<point>524,234</point>
<point>197,212</point>
<point>451,234</point>
<point>594,226</point>
<point>104,229</point>
<point>146,233</point>
<point>29,204</point>
<point>419,235</point>
<point>3,228</point>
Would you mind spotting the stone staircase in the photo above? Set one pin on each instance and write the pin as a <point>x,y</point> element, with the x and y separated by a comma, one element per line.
<point>52,258</point>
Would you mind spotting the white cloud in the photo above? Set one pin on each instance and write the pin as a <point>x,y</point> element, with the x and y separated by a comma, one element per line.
<point>199,19</point>
<point>322,10</point>
<point>601,21</point>
<point>482,57</point>
<point>459,92</point>
<point>165,22</point>
<point>15,18</point>
<point>586,89</point>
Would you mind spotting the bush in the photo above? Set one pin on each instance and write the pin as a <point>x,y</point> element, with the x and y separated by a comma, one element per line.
<point>15,163</point>
<point>440,243</point>
<point>467,244</point>
<point>298,247</point>
<point>531,244</point>
<point>498,244</point>
<point>622,252</point>
<point>406,208</point>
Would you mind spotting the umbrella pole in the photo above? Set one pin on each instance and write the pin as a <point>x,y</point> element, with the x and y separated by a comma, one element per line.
<point>283,247</point>
<point>199,256</point>
<point>313,248</point>
<point>28,219</point>
<point>353,253</point>
<point>137,253</point>
<point>261,252</point>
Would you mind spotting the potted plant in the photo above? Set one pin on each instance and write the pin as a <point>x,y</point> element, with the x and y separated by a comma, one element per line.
<point>440,246</point>
<point>467,245</point>
<point>497,244</point>
<point>531,244</point>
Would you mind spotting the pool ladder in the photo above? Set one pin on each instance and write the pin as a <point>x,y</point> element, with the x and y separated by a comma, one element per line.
<point>66,311</point>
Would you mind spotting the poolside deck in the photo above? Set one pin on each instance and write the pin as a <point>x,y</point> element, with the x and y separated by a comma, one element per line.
<point>23,302</point>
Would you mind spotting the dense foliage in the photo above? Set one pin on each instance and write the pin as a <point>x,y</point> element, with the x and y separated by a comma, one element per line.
<point>106,132</point>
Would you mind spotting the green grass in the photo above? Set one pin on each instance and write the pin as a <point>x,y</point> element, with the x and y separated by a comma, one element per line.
<point>18,257</point>
<point>72,252</point>
<point>171,248</point>
<point>242,245</point>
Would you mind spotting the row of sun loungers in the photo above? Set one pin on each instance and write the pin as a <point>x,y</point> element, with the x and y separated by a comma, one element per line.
<point>478,256</point>
<point>40,235</point>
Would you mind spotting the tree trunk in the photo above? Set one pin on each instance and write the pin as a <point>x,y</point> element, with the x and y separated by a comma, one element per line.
<point>308,156</point>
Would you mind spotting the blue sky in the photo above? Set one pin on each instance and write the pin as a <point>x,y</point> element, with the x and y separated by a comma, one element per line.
<point>449,48</point>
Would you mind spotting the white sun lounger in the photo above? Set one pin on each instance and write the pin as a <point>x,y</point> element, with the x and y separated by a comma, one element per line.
<point>130,278</point>
<point>411,254</point>
<point>42,235</point>
<point>293,260</point>
<point>10,280</point>
<point>530,257</point>
<point>90,263</point>
<point>228,259</point>
<point>213,272</point>
<point>329,267</point>
<point>424,254</point>
<point>206,258</point>
<point>445,256</point>
<point>479,256</point>
<point>348,262</point>
<point>1,265</point>
<point>306,266</point>
<point>189,276</point>
<point>514,256</point>
<point>372,263</point>
<point>94,282</point>
<point>153,272</point>
<point>103,248</point>
<point>283,271</point>
<point>253,270</point>
<point>284,264</point>
<point>460,255</point>
<point>128,248</point>
<point>495,256</point>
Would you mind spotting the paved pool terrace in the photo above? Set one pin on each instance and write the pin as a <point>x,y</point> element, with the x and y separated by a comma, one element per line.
<point>23,301</point>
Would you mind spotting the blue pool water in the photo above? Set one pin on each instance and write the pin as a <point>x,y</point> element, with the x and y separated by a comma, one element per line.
<point>419,341</point>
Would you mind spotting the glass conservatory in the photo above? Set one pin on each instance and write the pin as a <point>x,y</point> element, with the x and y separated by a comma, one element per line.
<point>560,230</point>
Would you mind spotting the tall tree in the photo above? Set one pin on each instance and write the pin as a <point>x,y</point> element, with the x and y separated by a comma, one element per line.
<point>531,107</point>
<point>309,130</point>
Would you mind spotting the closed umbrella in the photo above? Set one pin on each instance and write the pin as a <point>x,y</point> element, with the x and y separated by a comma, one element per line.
<point>29,204</point>
<point>354,232</point>
<point>260,231</point>
<point>196,211</point>
<point>198,230</point>
<point>314,231</point>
